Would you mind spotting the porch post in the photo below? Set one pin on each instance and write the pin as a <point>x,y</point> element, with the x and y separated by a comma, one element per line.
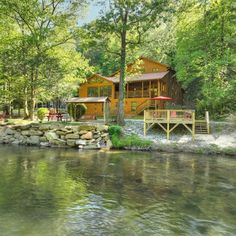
<point>159,87</point>
<point>142,89</point>
<point>104,111</point>
<point>127,90</point>
<point>150,88</point>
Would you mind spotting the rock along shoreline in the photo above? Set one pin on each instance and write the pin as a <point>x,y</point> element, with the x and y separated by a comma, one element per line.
<point>56,135</point>
<point>96,136</point>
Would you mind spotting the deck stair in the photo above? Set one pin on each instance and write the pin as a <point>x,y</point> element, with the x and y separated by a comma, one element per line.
<point>201,127</point>
<point>148,104</point>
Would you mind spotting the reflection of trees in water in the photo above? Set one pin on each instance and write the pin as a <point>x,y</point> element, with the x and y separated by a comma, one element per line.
<point>143,187</point>
<point>37,182</point>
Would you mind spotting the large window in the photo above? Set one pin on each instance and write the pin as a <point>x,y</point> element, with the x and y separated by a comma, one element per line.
<point>93,92</point>
<point>104,91</point>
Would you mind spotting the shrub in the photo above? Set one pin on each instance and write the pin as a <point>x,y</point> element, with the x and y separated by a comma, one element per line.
<point>115,130</point>
<point>41,113</point>
<point>76,110</point>
<point>130,141</point>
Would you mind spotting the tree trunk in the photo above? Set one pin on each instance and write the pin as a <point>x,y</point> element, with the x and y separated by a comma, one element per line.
<point>32,96</point>
<point>32,105</point>
<point>26,110</point>
<point>121,114</point>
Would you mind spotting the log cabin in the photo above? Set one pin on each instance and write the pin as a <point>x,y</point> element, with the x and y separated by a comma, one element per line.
<point>145,79</point>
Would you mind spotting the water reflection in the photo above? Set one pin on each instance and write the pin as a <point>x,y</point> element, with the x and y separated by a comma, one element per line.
<point>66,192</point>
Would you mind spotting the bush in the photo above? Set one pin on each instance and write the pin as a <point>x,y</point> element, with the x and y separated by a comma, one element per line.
<point>130,141</point>
<point>41,113</point>
<point>76,110</point>
<point>119,141</point>
<point>115,130</point>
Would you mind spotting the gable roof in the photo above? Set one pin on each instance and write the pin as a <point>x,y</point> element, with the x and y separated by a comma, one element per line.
<point>114,78</point>
<point>98,75</point>
<point>142,58</point>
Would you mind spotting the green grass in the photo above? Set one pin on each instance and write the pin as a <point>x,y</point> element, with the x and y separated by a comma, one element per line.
<point>17,122</point>
<point>131,141</point>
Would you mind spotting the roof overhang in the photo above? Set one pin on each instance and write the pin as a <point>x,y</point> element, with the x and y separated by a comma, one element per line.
<point>140,77</point>
<point>88,100</point>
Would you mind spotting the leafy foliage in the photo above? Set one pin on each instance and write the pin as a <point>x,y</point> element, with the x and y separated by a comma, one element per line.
<point>41,113</point>
<point>129,141</point>
<point>115,130</point>
<point>76,110</point>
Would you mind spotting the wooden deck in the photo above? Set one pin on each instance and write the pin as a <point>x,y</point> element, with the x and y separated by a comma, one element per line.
<point>168,120</point>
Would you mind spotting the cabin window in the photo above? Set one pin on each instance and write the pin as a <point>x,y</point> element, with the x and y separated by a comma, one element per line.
<point>154,88</point>
<point>133,106</point>
<point>164,88</point>
<point>105,91</point>
<point>92,92</point>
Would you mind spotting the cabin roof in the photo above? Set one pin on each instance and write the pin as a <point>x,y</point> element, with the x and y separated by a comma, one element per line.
<point>88,100</point>
<point>140,77</point>
<point>142,58</point>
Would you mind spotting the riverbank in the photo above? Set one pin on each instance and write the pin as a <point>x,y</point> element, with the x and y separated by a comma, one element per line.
<point>56,135</point>
<point>222,139</point>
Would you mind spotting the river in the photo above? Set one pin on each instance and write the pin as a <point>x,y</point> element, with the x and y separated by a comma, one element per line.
<point>57,192</point>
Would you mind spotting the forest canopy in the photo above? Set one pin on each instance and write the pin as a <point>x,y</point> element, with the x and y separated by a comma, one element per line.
<point>45,53</point>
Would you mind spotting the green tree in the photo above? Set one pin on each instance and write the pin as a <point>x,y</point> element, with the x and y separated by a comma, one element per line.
<point>127,21</point>
<point>43,26</point>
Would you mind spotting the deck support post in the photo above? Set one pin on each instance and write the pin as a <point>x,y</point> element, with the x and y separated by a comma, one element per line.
<point>193,125</point>
<point>168,125</point>
<point>144,123</point>
<point>207,121</point>
<point>164,118</point>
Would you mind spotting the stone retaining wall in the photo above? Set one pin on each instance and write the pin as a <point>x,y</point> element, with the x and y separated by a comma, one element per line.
<point>47,135</point>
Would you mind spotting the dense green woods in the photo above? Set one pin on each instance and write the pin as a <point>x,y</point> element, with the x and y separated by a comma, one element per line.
<point>38,53</point>
<point>44,53</point>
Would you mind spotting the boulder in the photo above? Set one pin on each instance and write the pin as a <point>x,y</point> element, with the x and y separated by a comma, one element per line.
<point>25,127</point>
<point>109,144</point>
<point>60,132</point>
<point>43,139</point>
<point>104,135</point>
<point>87,128</point>
<point>36,133</point>
<point>72,136</point>
<point>35,125</point>
<point>83,132</point>
<point>17,135</point>
<point>58,142</point>
<point>80,142</point>
<point>88,135</point>
<point>102,128</point>
<point>9,131</point>
<point>44,144</point>
<point>92,141</point>
<point>71,142</point>
<point>33,140</point>
<point>16,142</point>
<point>26,133</point>
<point>91,147</point>
<point>44,127</point>
<point>51,136</point>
